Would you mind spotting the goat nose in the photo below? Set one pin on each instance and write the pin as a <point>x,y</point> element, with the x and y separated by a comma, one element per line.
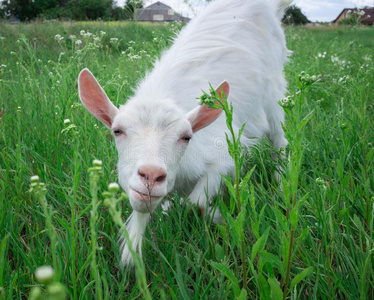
<point>152,175</point>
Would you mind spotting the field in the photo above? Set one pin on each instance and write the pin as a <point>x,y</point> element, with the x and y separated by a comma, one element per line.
<point>312,240</point>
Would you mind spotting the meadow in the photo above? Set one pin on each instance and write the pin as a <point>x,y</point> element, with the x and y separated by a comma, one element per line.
<point>313,239</point>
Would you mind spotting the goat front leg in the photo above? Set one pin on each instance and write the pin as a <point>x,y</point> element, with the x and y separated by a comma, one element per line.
<point>205,189</point>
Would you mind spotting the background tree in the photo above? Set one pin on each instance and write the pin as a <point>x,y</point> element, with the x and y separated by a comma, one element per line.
<point>95,9</point>
<point>26,10</point>
<point>295,16</point>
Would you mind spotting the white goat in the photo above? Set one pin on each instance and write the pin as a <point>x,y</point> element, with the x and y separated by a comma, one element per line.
<point>158,132</point>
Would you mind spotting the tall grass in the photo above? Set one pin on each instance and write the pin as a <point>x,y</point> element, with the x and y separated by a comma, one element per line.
<point>313,239</point>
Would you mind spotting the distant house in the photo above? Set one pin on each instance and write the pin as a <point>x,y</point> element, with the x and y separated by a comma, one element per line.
<point>366,19</point>
<point>159,12</point>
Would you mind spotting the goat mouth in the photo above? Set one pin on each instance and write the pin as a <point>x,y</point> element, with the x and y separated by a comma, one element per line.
<point>143,196</point>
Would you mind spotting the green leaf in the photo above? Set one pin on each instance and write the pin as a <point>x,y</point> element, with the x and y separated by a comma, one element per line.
<point>222,231</point>
<point>265,287</point>
<point>300,277</point>
<point>358,223</point>
<point>229,274</point>
<point>281,219</point>
<point>339,168</point>
<point>303,235</point>
<point>239,224</point>
<point>294,218</point>
<point>272,259</point>
<point>226,214</point>
<point>2,257</point>
<point>276,291</point>
<point>369,156</point>
<point>262,213</point>
<point>232,192</point>
<point>180,281</point>
<point>244,182</point>
<point>242,295</point>
<point>220,253</point>
<point>286,190</point>
<point>344,183</point>
<point>241,130</point>
<point>260,244</point>
<point>236,233</point>
<point>343,212</point>
<point>305,121</point>
<point>244,196</point>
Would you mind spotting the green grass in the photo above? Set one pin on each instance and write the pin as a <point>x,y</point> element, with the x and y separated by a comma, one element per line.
<point>185,257</point>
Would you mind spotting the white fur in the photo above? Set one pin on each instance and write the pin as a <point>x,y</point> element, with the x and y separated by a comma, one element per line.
<point>240,41</point>
<point>135,226</point>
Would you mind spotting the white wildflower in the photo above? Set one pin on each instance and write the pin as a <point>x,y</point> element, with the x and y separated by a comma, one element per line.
<point>287,102</point>
<point>78,42</point>
<point>44,274</point>
<point>334,58</point>
<point>58,37</point>
<point>360,13</point>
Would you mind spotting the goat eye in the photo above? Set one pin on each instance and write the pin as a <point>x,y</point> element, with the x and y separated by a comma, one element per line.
<point>117,132</point>
<point>186,138</point>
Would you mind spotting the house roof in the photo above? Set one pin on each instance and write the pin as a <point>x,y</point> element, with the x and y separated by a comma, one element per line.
<point>158,6</point>
<point>366,18</point>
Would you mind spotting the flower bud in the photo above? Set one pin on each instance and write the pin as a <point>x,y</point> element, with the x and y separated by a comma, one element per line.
<point>113,187</point>
<point>36,293</point>
<point>34,179</point>
<point>56,291</point>
<point>97,163</point>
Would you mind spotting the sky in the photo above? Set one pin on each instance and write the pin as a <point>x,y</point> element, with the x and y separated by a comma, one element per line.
<point>315,10</point>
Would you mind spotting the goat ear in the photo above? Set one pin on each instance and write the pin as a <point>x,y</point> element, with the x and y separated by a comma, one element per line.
<point>202,115</point>
<point>94,98</point>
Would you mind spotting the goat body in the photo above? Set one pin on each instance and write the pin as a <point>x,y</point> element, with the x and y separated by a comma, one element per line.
<point>162,136</point>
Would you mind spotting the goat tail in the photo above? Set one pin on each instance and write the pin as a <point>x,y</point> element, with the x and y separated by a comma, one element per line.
<point>281,6</point>
<point>131,240</point>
